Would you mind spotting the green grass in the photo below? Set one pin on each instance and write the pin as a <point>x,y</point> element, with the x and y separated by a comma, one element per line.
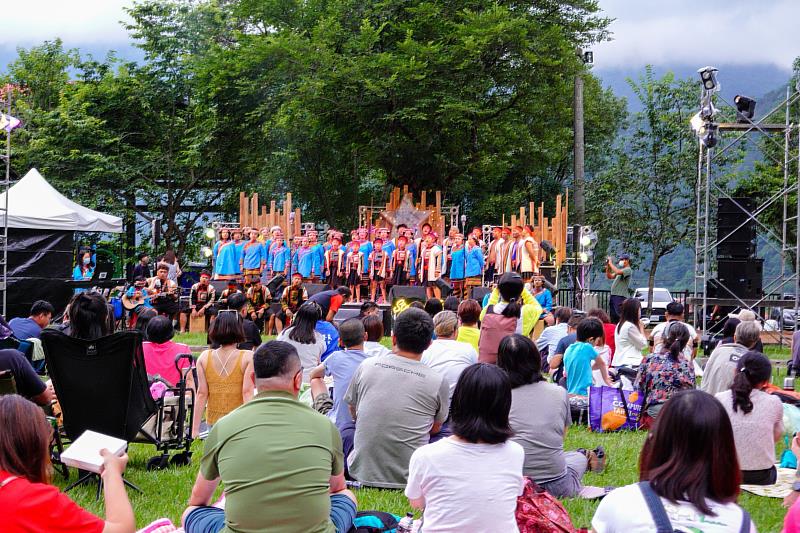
<point>166,492</point>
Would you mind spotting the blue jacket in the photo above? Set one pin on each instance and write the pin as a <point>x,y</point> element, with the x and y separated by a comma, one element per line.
<point>278,259</point>
<point>317,259</point>
<point>305,261</point>
<point>253,254</point>
<point>366,249</point>
<point>474,262</point>
<point>545,299</point>
<point>457,264</point>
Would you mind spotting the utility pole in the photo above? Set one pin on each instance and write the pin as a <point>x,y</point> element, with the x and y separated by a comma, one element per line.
<point>579,184</point>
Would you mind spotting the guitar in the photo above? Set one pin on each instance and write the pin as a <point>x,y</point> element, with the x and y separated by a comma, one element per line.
<point>129,303</point>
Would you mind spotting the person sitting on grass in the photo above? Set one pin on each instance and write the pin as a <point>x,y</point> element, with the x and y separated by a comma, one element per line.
<point>541,431</point>
<point>470,481</point>
<point>397,403</point>
<point>664,373</point>
<point>27,499</point>
<point>468,313</point>
<point>280,462</point>
<point>579,357</point>
<point>160,350</point>
<point>374,328</point>
<point>756,417</point>
<point>305,338</point>
<point>688,471</point>
<point>720,368</point>
<point>224,374</point>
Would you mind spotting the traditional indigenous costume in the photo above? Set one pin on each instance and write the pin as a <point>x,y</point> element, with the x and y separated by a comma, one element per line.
<point>529,261</point>
<point>355,262</point>
<point>473,270</point>
<point>228,259</point>
<point>334,265</point>
<point>458,263</point>
<point>400,261</point>
<point>305,263</point>
<point>257,298</point>
<point>253,258</point>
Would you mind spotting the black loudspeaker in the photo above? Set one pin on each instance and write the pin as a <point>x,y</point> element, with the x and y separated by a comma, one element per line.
<point>314,288</point>
<point>742,277</point>
<point>736,242</point>
<point>549,273</point>
<point>478,293</point>
<point>409,293</point>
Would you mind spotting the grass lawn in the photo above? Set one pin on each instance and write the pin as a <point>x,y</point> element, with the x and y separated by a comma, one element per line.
<point>166,492</point>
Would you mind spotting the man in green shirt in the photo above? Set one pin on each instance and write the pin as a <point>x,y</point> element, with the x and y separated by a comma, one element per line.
<point>620,287</point>
<point>281,462</point>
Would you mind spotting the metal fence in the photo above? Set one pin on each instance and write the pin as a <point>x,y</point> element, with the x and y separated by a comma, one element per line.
<point>566,297</point>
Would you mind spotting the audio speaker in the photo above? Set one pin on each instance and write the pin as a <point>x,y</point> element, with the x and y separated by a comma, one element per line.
<point>736,231</point>
<point>742,277</point>
<point>314,288</point>
<point>410,293</point>
<point>478,293</point>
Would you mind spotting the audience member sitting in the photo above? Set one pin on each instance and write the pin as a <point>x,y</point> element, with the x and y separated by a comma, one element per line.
<point>31,327</point>
<point>446,355</point>
<point>688,471</point>
<point>28,501</point>
<point>720,369</point>
<point>28,383</point>
<point>143,319</point>
<point>469,311</point>
<point>541,430</point>
<point>555,362</point>
<point>280,462</point>
<point>224,374</point>
<point>433,306</point>
<point>629,337</point>
<point>471,480</point>
<point>665,372</point>
<point>160,350</point>
<point>511,309</point>
<point>748,315</point>
<point>579,356</point>
<point>330,334</point>
<point>674,313</point>
<point>728,330</point>
<point>367,308</point>
<point>302,334</point>
<point>548,340</point>
<point>451,304</point>
<point>252,335</point>
<point>88,316</point>
<point>608,329</point>
<point>374,328</point>
<point>397,403</point>
<point>756,417</point>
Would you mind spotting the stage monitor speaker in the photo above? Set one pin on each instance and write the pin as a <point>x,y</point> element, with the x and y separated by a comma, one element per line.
<point>408,293</point>
<point>477,293</point>
<point>743,277</point>
<point>549,273</point>
<point>314,288</point>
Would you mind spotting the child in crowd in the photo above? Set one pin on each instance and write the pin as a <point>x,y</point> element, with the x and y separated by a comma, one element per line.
<point>579,357</point>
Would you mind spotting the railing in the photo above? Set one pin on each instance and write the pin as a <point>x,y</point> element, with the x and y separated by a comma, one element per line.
<point>566,297</point>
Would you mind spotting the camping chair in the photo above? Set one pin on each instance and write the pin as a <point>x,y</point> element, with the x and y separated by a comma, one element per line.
<point>102,385</point>
<point>7,383</point>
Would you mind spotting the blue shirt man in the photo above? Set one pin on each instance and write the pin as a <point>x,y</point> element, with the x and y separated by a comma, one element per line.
<point>331,336</point>
<point>31,327</point>
<point>579,356</point>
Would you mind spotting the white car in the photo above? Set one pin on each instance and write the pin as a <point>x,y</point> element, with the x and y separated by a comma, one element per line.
<point>661,297</point>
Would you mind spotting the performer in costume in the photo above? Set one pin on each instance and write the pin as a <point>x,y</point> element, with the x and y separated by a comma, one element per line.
<point>231,289</point>
<point>202,298</point>
<point>228,257</point>
<point>165,293</point>
<point>413,252</point>
<point>254,258</point>
<point>513,251</point>
<point>136,292</point>
<point>457,265</point>
<point>355,267</point>
<point>431,266</point>
<point>263,236</point>
<point>426,229</point>
<point>365,247</point>
<point>400,260</point>
<point>477,232</point>
<point>529,261</point>
<point>258,298</point>
<point>278,260</point>
<point>495,254</point>
<point>305,260</point>
<point>378,262</point>
<point>317,257</point>
<point>224,238</point>
<point>292,298</point>
<point>474,265</point>
<point>545,299</point>
<point>447,245</point>
<point>335,263</point>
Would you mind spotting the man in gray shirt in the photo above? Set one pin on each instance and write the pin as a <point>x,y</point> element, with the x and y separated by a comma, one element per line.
<point>397,403</point>
<point>721,366</point>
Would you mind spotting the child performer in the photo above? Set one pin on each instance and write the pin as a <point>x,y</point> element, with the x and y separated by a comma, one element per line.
<point>305,260</point>
<point>225,265</point>
<point>355,262</point>
<point>473,254</point>
<point>278,260</point>
<point>378,262</point>
<point>413,253</point>
<point>447,247</point>
<point>457,265</point>
<point>334,263</point>
<point>400,260</point>
<point>430,266</point>
<point>317,257</point>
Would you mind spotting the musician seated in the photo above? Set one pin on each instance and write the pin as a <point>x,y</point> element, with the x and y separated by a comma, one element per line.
<point>233,288</point>
<point>137,298</point>
<point>202,298</point>
<point>292,298</point>
<point>258,300</point>
<point>165,298</point>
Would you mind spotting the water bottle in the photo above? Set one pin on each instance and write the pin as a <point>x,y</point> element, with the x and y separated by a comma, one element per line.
<point>406,524</point>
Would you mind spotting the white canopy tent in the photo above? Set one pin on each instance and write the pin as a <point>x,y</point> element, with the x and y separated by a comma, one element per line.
<point>35,204</point>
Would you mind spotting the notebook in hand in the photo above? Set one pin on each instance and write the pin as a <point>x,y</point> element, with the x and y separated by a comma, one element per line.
<point>84,453</point>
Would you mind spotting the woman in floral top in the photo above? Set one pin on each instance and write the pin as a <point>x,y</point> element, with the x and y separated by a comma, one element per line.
<point>664,373</point>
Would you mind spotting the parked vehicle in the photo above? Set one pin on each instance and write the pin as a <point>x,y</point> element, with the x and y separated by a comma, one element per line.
<point>661,297</point>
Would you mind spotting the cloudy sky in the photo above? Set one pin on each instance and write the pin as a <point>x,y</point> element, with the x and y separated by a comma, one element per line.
<point>659,32</point>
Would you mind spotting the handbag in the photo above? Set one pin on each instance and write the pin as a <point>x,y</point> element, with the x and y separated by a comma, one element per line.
<point>540,512</point>
<point>613,408</point>
<point>374,522</point>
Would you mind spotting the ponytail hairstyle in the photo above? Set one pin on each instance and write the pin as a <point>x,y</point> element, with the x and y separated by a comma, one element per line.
<point>511,286</point>
<point>753,369</point>
<point>676,337</point>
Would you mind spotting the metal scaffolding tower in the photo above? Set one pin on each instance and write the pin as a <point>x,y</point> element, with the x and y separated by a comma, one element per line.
<point>5,101</point>
<point>709,190</point>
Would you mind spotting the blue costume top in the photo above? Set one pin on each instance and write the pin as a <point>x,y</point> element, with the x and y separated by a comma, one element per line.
<point>389,248</point>
<point>228,259</point>
<point>305,261</point>
<point>215,251</point>
<point>77,274</point>
<point>474,262</point>
<point>412,258</point>
<point>366,249</point>
<point>239,251</point>
<point>458,263</point>
<point>317,259</point>
<point>280,257</point>
<point>253,254</point>
<point>545,299</point>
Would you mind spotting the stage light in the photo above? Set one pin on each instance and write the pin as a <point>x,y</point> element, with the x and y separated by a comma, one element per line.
<point>745,108</point>
<point>588,57</point>
<point>547,246</point>
<point>585,257</point>
<point>708,75</point>
<point>206,251</point>
<point>210,233</point>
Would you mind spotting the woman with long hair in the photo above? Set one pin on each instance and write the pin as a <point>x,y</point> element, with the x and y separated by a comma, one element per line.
<point>302,334</point>
<point>172,262</point>
<point>689,475</point>
<point>27,499</point>
<point>89,316</point>
<point>629,337</point>
<point>454,478</point>
<point>225,376</point>
<point>664,373</point>
<point>84,269</point>
<point>541,431</point>
<point>756,417</point>
<point>511,309</point>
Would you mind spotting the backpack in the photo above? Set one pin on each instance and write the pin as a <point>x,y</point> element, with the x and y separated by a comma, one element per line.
<point>374,522</point>
<point>540,512</point>
<point>494,328</point>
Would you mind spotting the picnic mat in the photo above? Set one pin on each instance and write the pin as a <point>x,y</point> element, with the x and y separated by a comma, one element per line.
<point>780,489</point>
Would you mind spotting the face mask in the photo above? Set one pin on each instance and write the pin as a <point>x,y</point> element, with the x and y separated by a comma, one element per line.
<point>621,263</point>
<point>86,261</point>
